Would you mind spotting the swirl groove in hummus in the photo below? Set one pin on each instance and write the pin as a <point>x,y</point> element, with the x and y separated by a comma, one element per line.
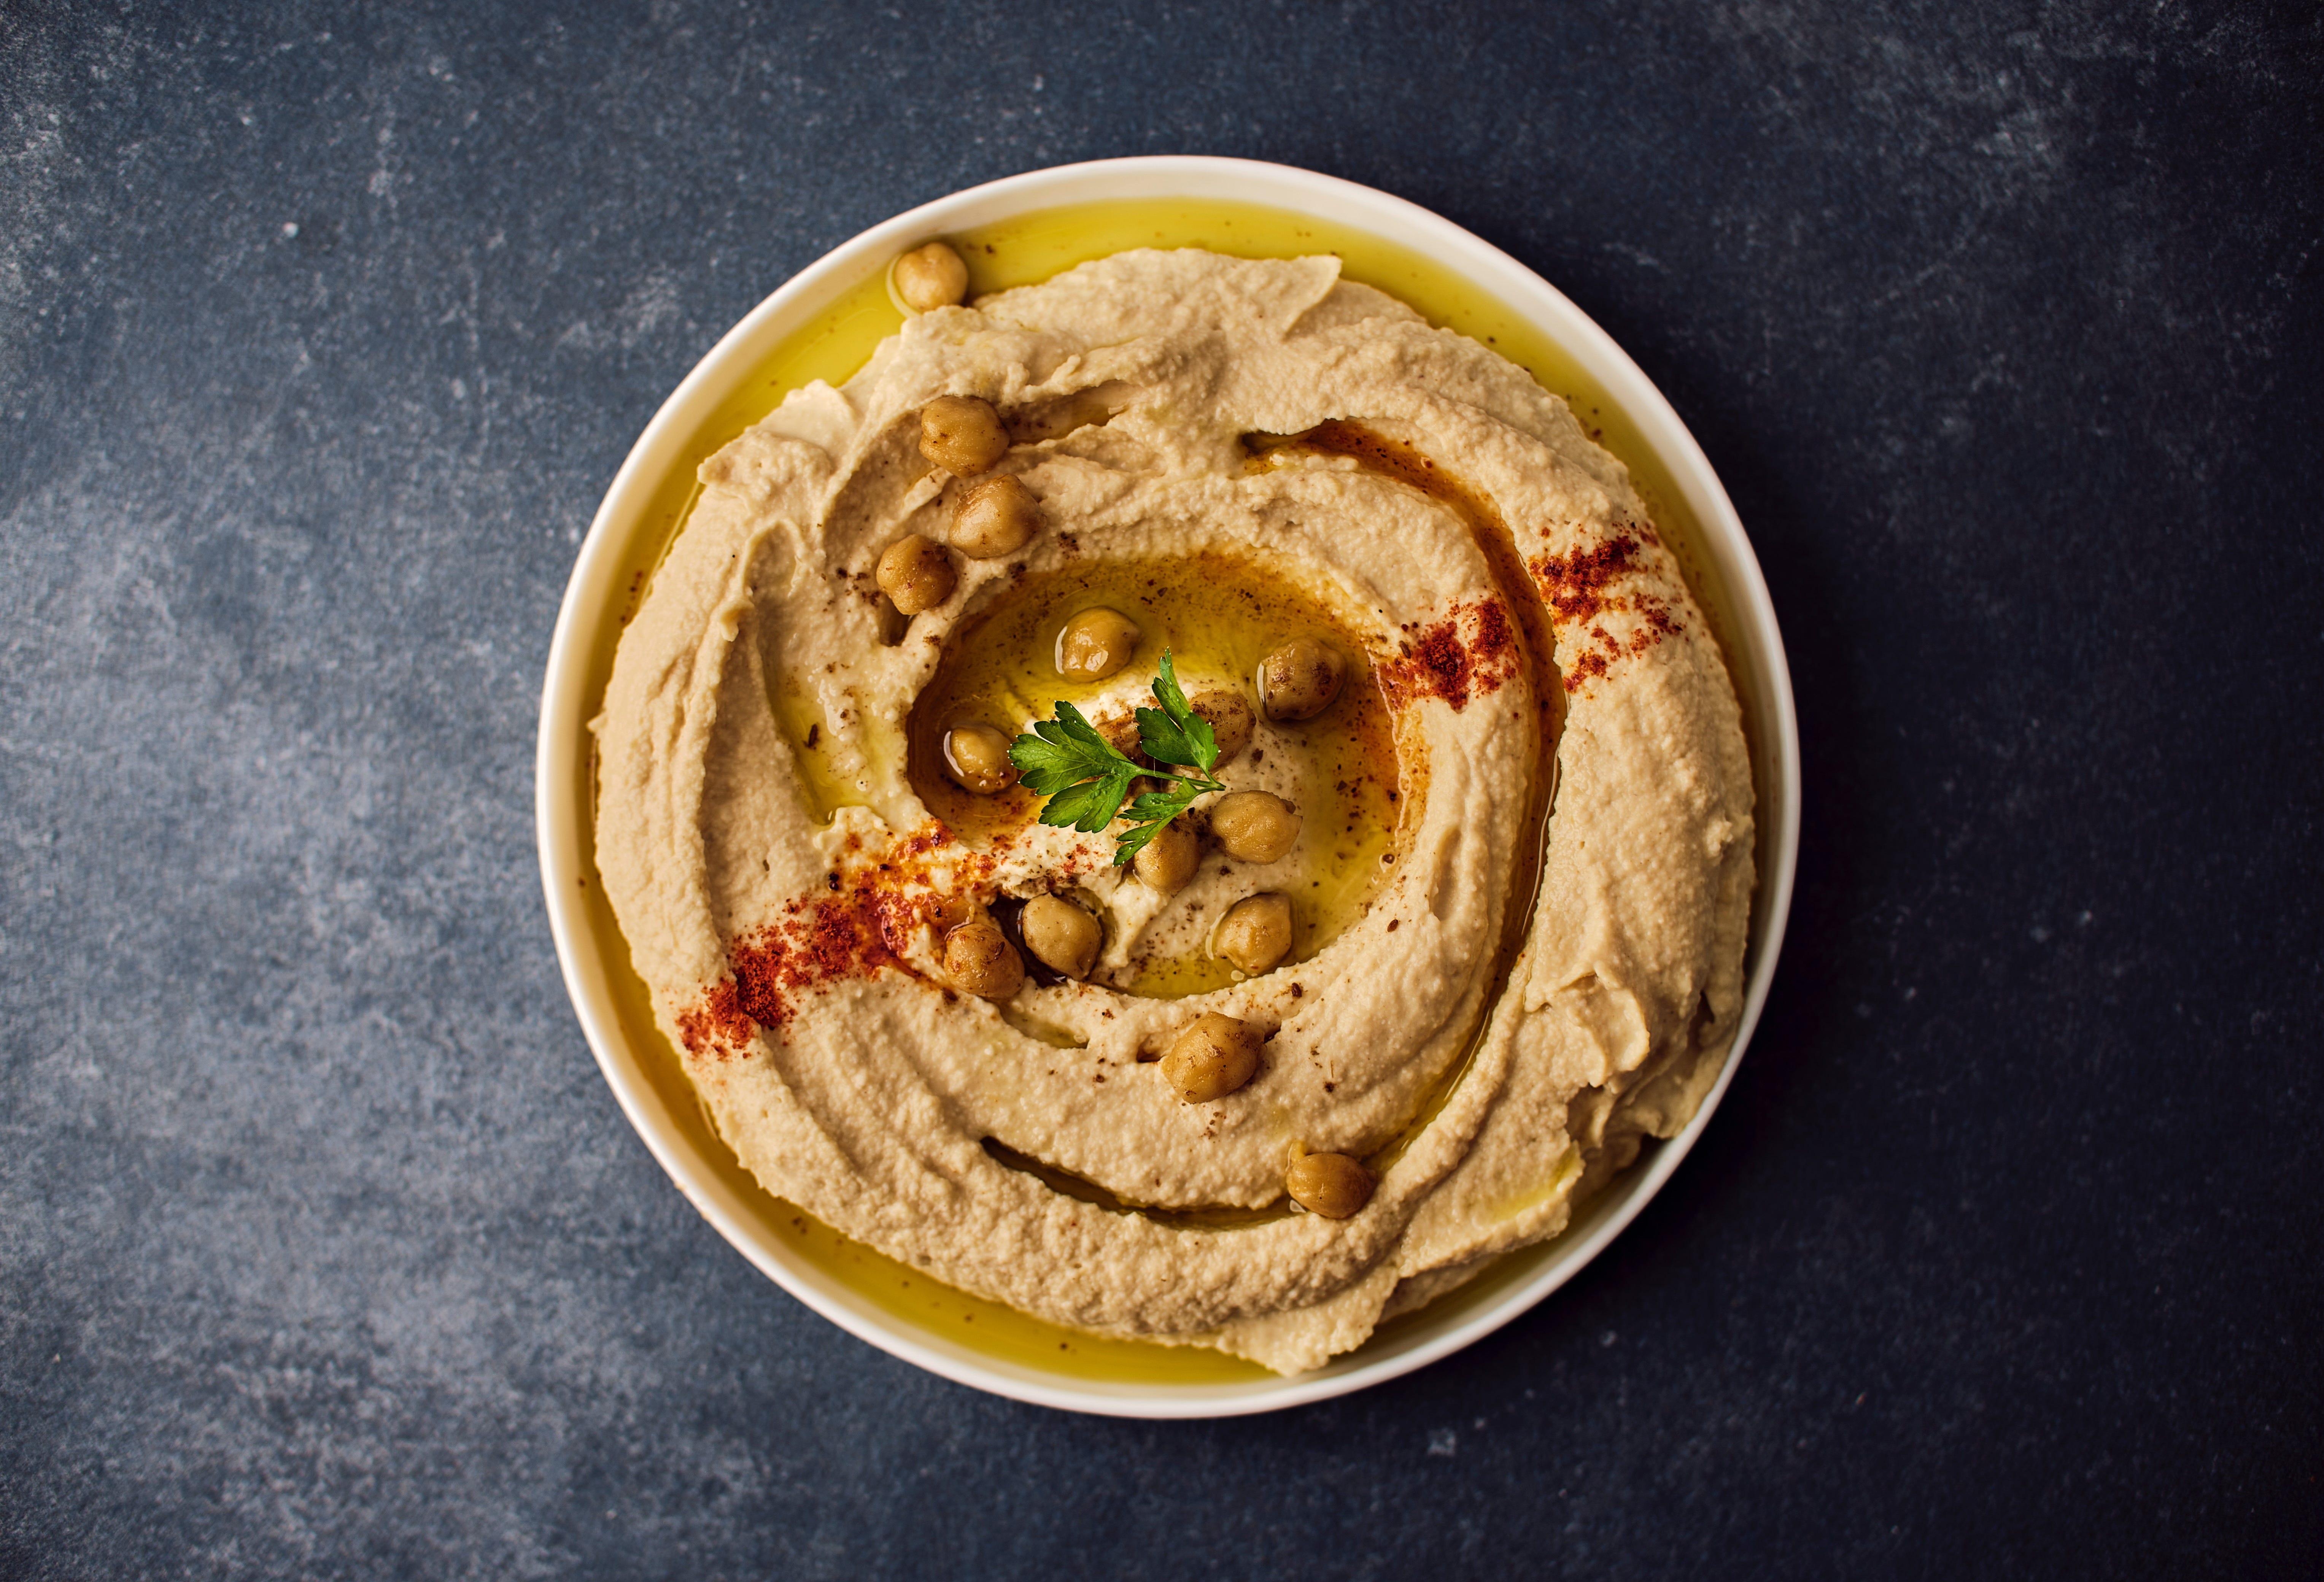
<point>1491,1006</point>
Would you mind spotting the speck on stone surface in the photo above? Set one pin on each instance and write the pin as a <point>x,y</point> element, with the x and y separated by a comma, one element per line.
<point>324,1251</point>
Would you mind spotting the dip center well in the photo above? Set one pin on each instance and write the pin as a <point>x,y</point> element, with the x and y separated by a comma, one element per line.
<point>1218,616</point>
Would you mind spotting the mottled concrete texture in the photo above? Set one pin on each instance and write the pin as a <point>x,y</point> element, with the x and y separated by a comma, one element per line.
<point>324,1249</point>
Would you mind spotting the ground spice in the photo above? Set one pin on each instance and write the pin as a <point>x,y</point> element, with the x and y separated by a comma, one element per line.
<point>1440,661</point>
<point>1493,634</point>
<point>855,933</point>
<point>1440,665</point>
<point>1577,589</point>
<point>1574,586</point>
<point>720,1021</point>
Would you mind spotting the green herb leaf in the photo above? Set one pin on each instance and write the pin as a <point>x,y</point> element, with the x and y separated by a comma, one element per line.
<point>1089,806</point>
<point>1078,770</point>
<point>1175,733</point>
<point>1086,778</point>
<point>1151,814</point>
<point>1166,805</point>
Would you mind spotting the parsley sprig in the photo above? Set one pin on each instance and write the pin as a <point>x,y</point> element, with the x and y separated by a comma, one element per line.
<point>1086,778</point>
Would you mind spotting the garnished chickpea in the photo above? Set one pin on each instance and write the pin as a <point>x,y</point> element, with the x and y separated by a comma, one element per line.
<point>1330,1185</point>
<point>1094,644</point>
<point>1061,935</point>
<point>1166,863</point>
<point>963,435</point>
<point>916,574</point>
<point>979,959</point>
<point>1255,933</point>
<point>931,277</point>
<point>976,759</point>
<point>1229,716</point>
<point>1254,826</point>
<point>1212,1058</point>
<point>1121,734</point>
<point>1299,680</point>
<point>997,516</point>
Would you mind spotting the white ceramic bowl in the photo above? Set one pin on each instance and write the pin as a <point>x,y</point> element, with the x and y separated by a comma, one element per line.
<point>642,508</point>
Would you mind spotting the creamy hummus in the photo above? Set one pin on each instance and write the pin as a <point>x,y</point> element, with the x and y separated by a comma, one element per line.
<point>1521,885</point>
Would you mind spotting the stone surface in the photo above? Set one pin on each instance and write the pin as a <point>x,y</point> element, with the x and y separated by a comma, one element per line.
<point>324,1249</point>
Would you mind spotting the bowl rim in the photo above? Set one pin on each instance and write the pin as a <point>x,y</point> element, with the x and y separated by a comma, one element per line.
<point>590,590</point>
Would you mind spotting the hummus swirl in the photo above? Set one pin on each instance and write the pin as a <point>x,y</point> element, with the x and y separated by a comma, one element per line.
<point>1496,1012</point>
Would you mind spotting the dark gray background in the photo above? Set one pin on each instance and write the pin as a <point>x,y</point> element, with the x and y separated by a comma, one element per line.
<point>324,1249</point>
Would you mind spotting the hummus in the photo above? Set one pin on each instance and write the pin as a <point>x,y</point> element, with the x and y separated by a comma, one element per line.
<point>1520,893</point>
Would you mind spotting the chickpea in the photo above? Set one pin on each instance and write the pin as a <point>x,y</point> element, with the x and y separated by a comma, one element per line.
<point>1254,826</point>
<point>1212,1057</point>
<point>1299,680</point>
<point>976,759</point>
<point>1167,862</point>
<point>1330,1185</point>
<point>997,516</point>
<point>931,277</point>
<point>1061,935</point>
<point>916,574</point>
<point>1255,933</point>
<point>1094,644</point>
<point>963,435</point>
<point>946,913</point>
<point>1229,716</point>
<point>1121,734</point>
<point>979,959</point>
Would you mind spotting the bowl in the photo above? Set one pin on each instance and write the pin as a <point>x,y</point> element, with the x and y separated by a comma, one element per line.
<point>822,324</point>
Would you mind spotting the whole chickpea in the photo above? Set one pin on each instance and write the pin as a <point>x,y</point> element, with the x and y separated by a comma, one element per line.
<point>916,574</point>
<point>1214,1056</point>
<point>1061,935</point>
<point>1166,863</point>
<point>979,959</point>
<point>1330,1185</point>
<point>997,516</point>
<point>1121,732</point>
<point>1299,680</point>
<point>1256,932</point>
<point>1094,644</point>
<point>931,277</point>
<point>963,435</point>
<point>976,759</point>
<point>1254,826</point>
<point>1229,716</point>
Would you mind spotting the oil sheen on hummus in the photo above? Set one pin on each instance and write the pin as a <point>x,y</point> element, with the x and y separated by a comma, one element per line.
<point>1520,889</point>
